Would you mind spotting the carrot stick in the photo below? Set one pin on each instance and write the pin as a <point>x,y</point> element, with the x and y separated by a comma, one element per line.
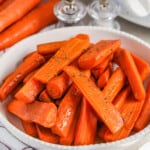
<point>46,135</point>
<point>66,112</point>
<point>15,10</point>
<point>27,66</point>
<point>144,117</point>
<point>31,23</point>
<point>4,4</point>
<point>98,53</point>
<point>37,112</point>
<point>127,64</point>
<point>1,1</point>
<point>57,86</point>
<point>114,85</point>
<point>130,111</point>
<point>86,125</point>
<point>67,54</point>
<point>29,128</point>
<point>94,96</point>
<point>29,91</point>
<point>44,97</point>
<point>29,76</point>
<point>50,47</point>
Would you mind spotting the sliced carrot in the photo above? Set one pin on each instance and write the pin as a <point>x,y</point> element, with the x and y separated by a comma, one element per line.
<point>67,54</point>
<point>46,135</point>
<point>127,64</point>
<point>27,66</point>
<point>105,110</point>
<point>57,86</point>
<point>114,85</point>
<point>37,112</point>
<point>86,126</point>
<point>29,91</point>
<point>98,53</point>
<point>66,112</point>
<point>4,4</point>
<point>44,97</point>
<point>29,76</point>
<point>29,128</point>
<point>144,117</point>
<point>31,23</point>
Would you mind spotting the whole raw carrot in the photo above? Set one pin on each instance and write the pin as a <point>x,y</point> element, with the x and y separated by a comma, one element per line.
<point>37,19</point>
<point>15,10</point>
<point>27,66</point>
<point>4,4</point>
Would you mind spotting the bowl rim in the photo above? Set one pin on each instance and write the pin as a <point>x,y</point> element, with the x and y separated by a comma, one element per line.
<point>137,136</point>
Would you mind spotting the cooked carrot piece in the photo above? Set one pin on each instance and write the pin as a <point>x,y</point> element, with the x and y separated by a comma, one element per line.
<point>114,85</point>
<point>29,128</point>
<point>27,66</point>
<point>144,117</point>
<point>31,23</point>
<point>45,134</point>
<point>130,111</point>
<point>86,125</point>
<point>127,64</point>
<point>29,76</point>
<point>29,91</point>
<point>4,4</point>
<point>98,53</point>
<point>67,111</point>
<point>37,112</point>
<point>94,96</point>
<point>57,86</point>
<point>44,97</point>
<point>67,54</point>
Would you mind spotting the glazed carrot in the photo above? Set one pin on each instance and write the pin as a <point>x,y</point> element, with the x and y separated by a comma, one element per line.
<point>86,125</point>
<point>44,97</point>
<point>114,85</point>
<point>5,4</point>
<point>142,66</point>
<point>57,86</point>
<point>37,112</point>
<point>98,53</point>
<point>29,76</point>
<point>67,54</point>
<point>103,78</point>
<point>95,98</point>
<point>127,64</point>
<point>27,66</point>
<point>34,21</point>
<point>16,10</point>
<point>29,128</point>
<point>1,1</point>
<point>50,47</point>
<point>144,117</point>
<point>46,135</point>
<point>29,91</point>
<point>66,112</point>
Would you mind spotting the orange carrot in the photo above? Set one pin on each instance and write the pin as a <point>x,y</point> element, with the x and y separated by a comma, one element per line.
<point>34,21</point>
<point>94,96</point>
<point>27,66</point>
<point>66,112</point>
<point>144,117</point>
<point>29,91</point>
<point>1,1</point>
<point>16,10</point>
<point>50,47</point>
<point>114,85</point>
<point>37,112</point>
<point>29,76</point>
<point>86,125</point>
<point>58,85</point>
<point>29,128</point>
<point>127,64</point>
<point>98,53</point>
<point>44,97</point>
<point>4,4</point>
<point>46,135</point>
<point>67,54</point>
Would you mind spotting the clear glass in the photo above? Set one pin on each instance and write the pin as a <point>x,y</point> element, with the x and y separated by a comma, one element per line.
<point>103,13</point>
<point>70,12</point>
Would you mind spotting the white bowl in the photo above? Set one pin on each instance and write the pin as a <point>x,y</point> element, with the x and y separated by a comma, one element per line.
<point>14,55</point>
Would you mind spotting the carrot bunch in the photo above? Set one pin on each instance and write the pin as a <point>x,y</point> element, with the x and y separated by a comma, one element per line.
<point>19,19</point>
<point>69,92</point>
